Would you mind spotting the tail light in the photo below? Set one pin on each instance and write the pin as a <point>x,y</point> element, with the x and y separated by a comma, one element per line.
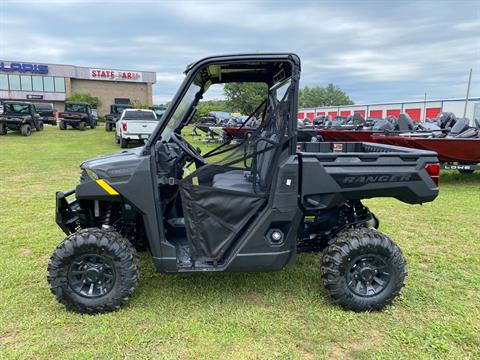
<point>124,125</point>
<point>434,171</point>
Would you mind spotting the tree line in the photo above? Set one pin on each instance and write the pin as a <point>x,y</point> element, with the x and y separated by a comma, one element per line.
<point>245,97</point>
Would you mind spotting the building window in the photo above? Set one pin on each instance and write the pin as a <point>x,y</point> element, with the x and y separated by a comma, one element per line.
<point>3,82</point>
<point>48,84</point>
<point>26,82</point>
<point>59,84</point>
<point>14,81</point>
<point>37,82</point>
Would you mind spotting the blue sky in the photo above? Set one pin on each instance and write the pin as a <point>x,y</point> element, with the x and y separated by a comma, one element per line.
<point>375,50</point>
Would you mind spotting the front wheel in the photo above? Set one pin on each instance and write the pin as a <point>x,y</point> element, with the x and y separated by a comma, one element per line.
<point>82,125</point>
<point>39,126</point>
<point>62,125</point>
<point>93,125</point>
<point>3,129</point>
<point>108,126</point>
<point>363,270</point>
<point>93,271</point>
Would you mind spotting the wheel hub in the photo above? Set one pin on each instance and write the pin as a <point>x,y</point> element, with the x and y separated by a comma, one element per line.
<point>91,275</point>
<point>368,275</point>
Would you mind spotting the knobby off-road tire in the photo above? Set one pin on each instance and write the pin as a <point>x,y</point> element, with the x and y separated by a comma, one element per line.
<point>93,271</point>
<point>82,125</point>
<point>108,126</point>
<point>40,126</point>
<point>26,130</point>
<point>93,125</point>
<point>363,270</point>
<point>62,125</point>
<point>3,129</point>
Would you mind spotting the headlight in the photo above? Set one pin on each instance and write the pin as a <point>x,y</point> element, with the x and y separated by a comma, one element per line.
<point>91,174</point>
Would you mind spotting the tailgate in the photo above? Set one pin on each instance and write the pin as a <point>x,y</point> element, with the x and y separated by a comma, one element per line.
<point>332,173</point>
<point>140,127</point>
<point>70,116</point>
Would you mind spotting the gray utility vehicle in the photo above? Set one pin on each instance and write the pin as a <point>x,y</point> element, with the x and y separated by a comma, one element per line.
<point>78,115</point>
<point>115,113</point>
<point>19,116</point>
<point>246,207</point>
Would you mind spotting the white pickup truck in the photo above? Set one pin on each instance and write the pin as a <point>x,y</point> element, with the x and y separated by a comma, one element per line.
<point>135,124</point>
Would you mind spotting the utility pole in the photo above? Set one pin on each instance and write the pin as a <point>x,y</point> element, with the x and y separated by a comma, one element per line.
<point>466,98</point>
<point>425,108</point>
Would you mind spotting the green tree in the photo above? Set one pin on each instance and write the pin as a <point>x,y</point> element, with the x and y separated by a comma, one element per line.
<point>244,97</point>
<point>139,105</point>
<point>319,96</point>
<point>205,106</point>
<point>84,97</point>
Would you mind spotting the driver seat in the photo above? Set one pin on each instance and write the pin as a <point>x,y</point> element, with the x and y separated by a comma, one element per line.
<point>240,180</point>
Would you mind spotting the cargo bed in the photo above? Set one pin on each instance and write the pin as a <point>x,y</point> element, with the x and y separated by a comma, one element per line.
<point>356,170</point>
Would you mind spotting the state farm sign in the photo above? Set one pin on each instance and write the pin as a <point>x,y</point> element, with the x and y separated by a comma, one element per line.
<point>114,75</point>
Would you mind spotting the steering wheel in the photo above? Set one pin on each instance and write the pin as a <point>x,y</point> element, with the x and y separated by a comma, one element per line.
<point>187,148</point>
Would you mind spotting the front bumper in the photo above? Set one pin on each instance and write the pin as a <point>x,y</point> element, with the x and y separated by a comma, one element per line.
<point>66,213</point>
<point>12,123</point>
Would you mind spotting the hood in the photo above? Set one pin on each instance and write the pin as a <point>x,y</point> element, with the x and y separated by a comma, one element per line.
<point>116,166</point>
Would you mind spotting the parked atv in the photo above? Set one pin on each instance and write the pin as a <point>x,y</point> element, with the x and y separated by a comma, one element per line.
<point>115,113</point>
<point>250,206</point>
<point>78,115</point>
<point>19,116</point>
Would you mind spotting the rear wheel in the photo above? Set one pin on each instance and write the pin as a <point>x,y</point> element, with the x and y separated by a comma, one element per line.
<point>93,125</point>
<point>82,125</point>
<point>363,270</point>
<point>62,125</point>
<point>108,126</point>
<point>26,130</point>
<point>93,271</point>
<point>39,126</point>
<point>3,129</point>
<point>124,143</point>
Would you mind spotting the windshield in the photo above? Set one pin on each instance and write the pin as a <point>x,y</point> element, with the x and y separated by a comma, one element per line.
<point>181,111</point>
<point>120,108</point>
<point>75,107</point>
<point>139,115</point>
<point>17,108</point>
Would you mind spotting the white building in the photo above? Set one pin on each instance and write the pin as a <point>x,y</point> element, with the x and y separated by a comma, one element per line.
<point>418,110</point>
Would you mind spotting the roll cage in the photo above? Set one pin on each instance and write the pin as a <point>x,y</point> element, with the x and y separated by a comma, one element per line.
<point>265,68</point>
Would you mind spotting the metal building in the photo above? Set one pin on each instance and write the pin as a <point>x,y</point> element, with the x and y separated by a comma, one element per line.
<point>418,110</point>
<point>53,83</point>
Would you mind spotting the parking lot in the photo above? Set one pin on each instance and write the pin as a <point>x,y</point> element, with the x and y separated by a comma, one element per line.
<point>256,315</point>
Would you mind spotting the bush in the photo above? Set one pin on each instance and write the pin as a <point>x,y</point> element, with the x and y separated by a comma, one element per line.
<point>84,97</point>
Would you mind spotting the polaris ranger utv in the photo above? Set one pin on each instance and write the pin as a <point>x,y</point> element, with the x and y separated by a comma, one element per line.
<point>246,207</point>
<point>78,115</point>
<point>19,116</point>
<point>115,113</point>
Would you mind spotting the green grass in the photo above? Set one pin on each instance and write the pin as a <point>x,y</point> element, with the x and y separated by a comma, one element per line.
<point>283,315</point>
